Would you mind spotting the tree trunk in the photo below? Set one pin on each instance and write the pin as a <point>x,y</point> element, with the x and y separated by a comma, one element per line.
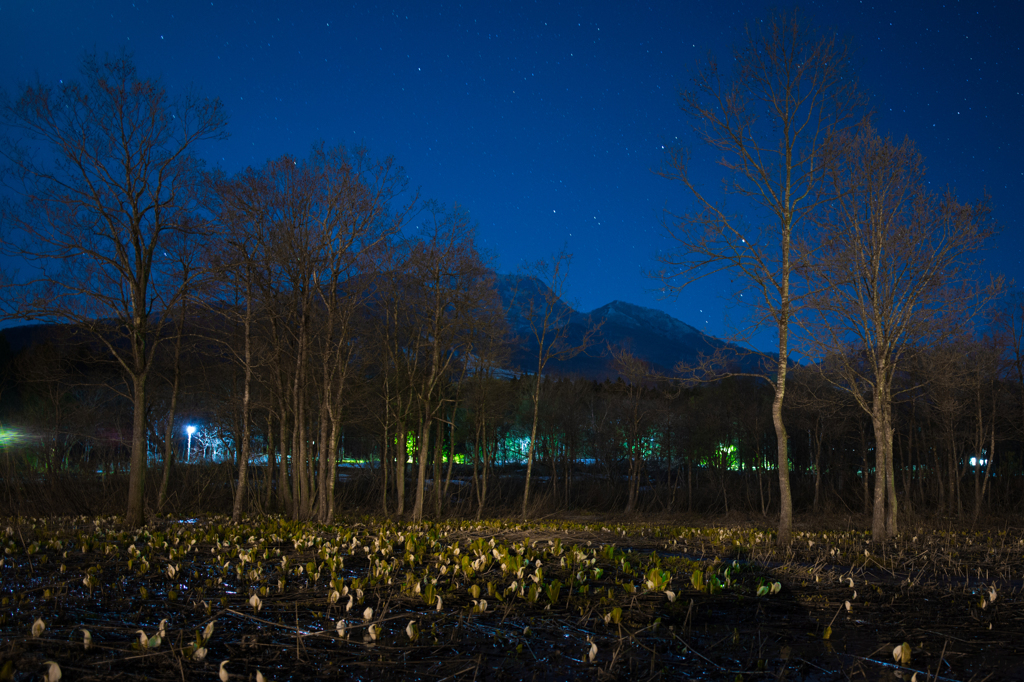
<point>284,486</point>
<point>243,458</point>
<point>169,433</point>
<point>451,455</point>
<point>438,461</point>
<point>268,497</point>
<point>327,482</point>
<point>884,513</point>
<point>421,477</point>
<point>785,497</point>
<point>324,450</point>
<point>533,440</point>
<point>135,516</point>
<point>401,462</point>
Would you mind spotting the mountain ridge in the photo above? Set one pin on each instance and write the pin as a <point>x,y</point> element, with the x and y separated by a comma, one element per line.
<point>649,333</point>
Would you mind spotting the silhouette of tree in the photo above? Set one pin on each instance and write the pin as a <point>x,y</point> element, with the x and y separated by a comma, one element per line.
<point>104,173</point>
<point>791,90</point>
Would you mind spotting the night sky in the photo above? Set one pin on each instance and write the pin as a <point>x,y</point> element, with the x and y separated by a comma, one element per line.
<point>546,120</point>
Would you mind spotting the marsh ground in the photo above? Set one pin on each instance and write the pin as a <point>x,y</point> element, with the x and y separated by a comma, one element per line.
<point>576,598</point>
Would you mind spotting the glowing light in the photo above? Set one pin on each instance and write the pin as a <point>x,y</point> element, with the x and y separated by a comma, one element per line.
<point>9,436</point>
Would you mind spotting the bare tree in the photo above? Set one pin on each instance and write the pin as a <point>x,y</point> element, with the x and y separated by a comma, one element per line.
<point>449,299</point>
<point>823,411</point>
<point>105,172</point>
<point>791,90</point>
<point>547,317</point>
<point>298,231</point>
<point>636,415</point>
<point>890,269</point>
<point>186,254</point>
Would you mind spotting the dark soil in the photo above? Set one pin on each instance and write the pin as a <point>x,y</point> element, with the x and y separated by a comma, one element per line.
<point>742,609</point>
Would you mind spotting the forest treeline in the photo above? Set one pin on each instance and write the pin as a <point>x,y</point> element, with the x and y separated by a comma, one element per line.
<point>314,313</point>
<point>674,448</point>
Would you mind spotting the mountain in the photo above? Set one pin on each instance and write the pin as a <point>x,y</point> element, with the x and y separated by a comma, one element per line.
<point>650,334</point>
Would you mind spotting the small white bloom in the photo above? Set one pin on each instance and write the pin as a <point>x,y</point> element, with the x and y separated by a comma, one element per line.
<point>53,672</point>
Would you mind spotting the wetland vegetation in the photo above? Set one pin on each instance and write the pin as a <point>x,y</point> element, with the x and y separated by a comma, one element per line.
<point>588,598</point>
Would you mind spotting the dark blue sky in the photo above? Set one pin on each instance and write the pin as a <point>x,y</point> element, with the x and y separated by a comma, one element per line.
<point>543,119</point>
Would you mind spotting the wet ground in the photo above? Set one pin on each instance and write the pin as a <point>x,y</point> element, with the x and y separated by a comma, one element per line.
<point>503,601</point>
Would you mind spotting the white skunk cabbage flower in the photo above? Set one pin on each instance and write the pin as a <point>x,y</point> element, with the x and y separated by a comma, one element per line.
<point>37,627</point>
<point>223,674</point>
<point>53,672</point>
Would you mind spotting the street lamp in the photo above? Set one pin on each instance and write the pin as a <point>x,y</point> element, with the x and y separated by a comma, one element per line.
<point>188,452</point>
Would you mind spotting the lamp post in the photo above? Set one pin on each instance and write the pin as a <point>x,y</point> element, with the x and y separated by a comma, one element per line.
<point>188,452</point>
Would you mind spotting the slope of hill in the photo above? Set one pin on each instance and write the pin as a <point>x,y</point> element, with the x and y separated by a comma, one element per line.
<point>650,334</point>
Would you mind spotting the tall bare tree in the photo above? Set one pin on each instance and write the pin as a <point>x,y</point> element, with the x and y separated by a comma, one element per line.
<point>891,268</point>
<point>791,90</point>
<point>545,321</point>
<point>449,300</point>
<point>104,171</point>
<point>298,231</point>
